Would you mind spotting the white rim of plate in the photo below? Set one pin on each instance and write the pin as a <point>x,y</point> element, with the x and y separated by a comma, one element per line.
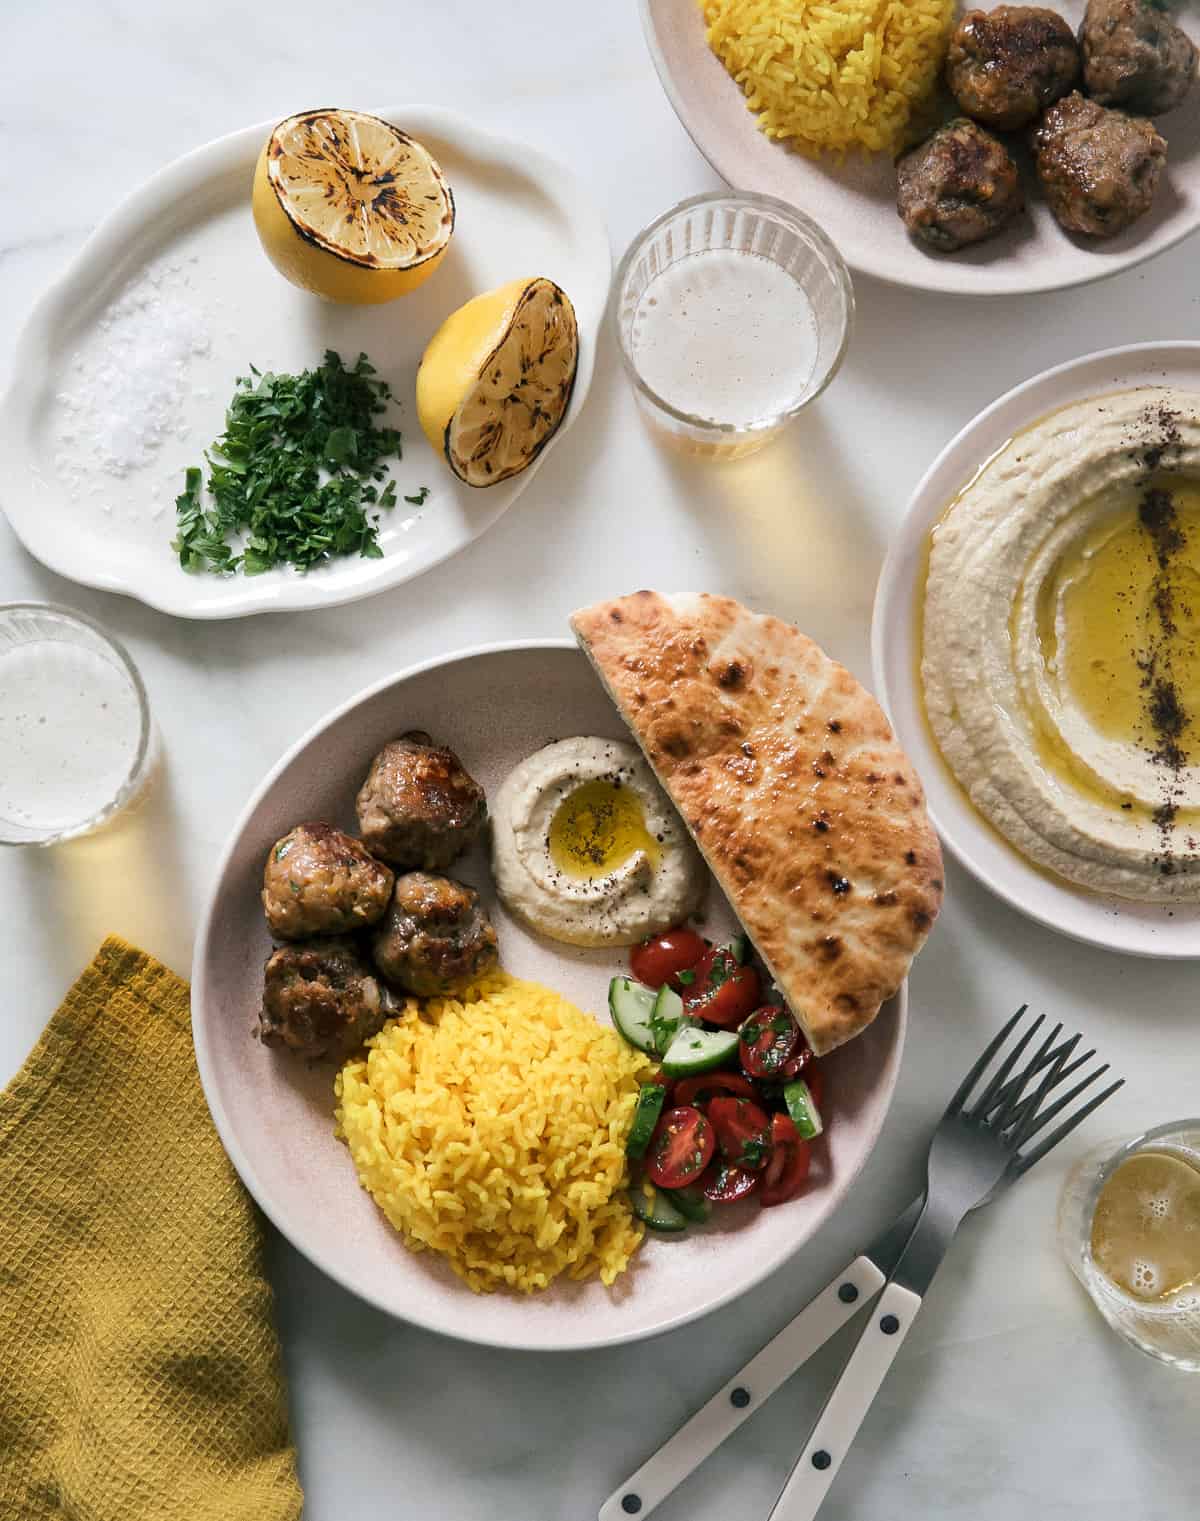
<point>242,1162</point>
<point>894,599</point>
<point>222,156</point>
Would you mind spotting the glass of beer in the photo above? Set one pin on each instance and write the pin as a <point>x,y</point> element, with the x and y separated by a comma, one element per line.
<point>1129,1227</point>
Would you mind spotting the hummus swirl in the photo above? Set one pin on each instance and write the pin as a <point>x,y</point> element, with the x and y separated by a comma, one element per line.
<point>587,849</point>
<point>1060,630</point>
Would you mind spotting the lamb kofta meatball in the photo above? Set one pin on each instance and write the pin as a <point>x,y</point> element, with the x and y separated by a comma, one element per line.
<point>435,937</point>
<point>1004,67</point>
<point>320,881</point>
<point>418,808</point>
<point>957,187</point>
<point>1099,168</point>
<point>1135,56</point>
<point>320,998</point>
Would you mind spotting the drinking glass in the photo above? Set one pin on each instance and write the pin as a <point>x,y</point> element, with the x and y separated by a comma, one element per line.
<point>720,223</point>
<point>1168,1329</point>
<point>76,735</point>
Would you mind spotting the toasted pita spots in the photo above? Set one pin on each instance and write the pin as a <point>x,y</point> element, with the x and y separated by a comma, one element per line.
<point>785,770</point>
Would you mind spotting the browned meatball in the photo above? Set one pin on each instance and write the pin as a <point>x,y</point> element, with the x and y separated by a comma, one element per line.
<point>320,999</point>
<point>1099,168</point>
<point>320,881</point>
<point>957,187</point>
<point>418,807</point>
<point>435,938</point>
<point>1006,66</point>
<point>1135,56</point>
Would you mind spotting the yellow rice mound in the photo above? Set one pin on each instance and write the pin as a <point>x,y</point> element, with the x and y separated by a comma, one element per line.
<point>492,1128</point>
<point>830,76</point>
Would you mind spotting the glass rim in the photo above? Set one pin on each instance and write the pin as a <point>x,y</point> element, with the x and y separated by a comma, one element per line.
<point>802,224</point>
<point>1104,1173</point>
<point>145,727</point>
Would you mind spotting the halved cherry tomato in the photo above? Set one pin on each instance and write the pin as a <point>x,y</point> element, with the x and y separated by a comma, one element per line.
<point>743,1131</point>
<point>768,1041</point>
<point>789,1164</point>
<point>692,1090</point>
<point>681,1147</point>
<point>723,991</point>
<point>723,1183</point>
<point>661,958</point>
<point>798,1064</point>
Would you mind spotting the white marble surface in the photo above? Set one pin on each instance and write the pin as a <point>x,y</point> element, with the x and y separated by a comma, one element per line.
<point>1009,1392</point>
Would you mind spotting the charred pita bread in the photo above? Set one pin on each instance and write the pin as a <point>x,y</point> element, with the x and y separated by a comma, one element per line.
<point>786,772</point>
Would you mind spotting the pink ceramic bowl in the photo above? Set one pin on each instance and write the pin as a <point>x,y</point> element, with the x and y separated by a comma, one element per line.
<point>493,705</point>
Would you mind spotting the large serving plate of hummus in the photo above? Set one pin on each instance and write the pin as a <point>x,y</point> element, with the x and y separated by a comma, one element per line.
<point>525,721</point>
<point>1035,642</point>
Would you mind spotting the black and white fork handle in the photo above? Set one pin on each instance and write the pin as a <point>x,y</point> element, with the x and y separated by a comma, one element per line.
<point>745,1393</point>
<point>878,1343</point>
<point>847,1406</point>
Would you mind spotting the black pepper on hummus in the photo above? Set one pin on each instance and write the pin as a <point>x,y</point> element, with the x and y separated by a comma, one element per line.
<point>587,849</point>
<point>1061,643</point>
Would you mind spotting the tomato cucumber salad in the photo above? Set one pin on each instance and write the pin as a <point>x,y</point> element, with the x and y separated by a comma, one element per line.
<point>736,1104</point>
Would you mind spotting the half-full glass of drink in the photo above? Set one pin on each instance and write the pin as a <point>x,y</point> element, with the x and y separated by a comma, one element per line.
<point>1129,1227</point>
<point>732,313</point>
<point>77,743</point>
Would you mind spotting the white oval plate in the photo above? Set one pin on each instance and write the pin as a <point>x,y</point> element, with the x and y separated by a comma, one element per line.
<point>190,230</point>
<point>855,202</point>
<point>1118,924</point>
<point>275,1114</point>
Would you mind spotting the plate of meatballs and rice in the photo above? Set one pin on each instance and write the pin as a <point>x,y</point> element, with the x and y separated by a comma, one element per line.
<point>551,995</point>
<point>974,151</point>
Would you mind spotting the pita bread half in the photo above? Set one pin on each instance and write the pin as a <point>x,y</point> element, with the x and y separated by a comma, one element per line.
<point>786,771</point>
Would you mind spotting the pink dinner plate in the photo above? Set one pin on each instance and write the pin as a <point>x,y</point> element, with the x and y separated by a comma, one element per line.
<point>494,706</point>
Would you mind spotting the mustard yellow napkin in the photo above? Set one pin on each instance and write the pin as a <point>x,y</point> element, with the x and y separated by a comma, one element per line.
<point>139,1368</point>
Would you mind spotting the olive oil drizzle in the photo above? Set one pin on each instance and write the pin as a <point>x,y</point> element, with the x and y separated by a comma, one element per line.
<point>597,827</point>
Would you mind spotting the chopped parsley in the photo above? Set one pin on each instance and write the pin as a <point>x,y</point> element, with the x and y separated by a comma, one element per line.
<point>297,472</point>
<point>420,497</point>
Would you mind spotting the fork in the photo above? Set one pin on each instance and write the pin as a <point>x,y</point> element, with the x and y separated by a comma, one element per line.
<point>980,1147</point>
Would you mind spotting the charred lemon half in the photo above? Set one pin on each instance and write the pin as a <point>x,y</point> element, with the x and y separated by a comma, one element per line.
<point>496,379</point>
<point>350,207</point>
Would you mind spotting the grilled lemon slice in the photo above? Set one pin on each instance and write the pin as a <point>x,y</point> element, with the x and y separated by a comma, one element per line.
<point>350,207</point>
<point>496,379</point>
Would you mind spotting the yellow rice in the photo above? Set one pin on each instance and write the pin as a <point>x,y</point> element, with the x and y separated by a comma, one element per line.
<point>825,77</point>
<point>492,1128</point>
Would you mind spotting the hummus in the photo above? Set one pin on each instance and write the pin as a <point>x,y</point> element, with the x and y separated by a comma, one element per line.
<point>1061,643</point>
<point>587,849</point>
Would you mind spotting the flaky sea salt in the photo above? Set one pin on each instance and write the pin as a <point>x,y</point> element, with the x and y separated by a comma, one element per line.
<point>128,385</point>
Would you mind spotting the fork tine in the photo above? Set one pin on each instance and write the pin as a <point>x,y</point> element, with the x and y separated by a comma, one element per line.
<point>973,1076</point>
<point>1038,1122</point>
<point>1000,1076</point>
<point>1042,1091</point>
<point>1003,1117</point>
<point>1021,1164</point>
<point>1028,1106</point>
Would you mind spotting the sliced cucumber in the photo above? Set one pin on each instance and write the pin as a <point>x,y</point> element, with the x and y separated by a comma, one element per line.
<point>690,1201</point>
<point>652,1206</point>
<point>631,1006</point>
<point>805,1115</point>
<point>695,1050</point>
<point>665,1017</point>
<point>645,1117</point>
